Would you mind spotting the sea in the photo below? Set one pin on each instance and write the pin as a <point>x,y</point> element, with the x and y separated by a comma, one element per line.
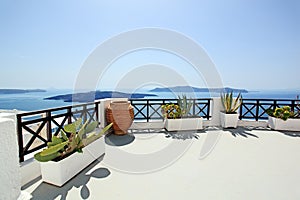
<point>36,100</point>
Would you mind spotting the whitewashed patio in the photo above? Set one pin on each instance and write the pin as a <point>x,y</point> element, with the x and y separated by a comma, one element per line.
<point>244,163</point>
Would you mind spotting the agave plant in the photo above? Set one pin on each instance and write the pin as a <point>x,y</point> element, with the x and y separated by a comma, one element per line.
<point>185,105</point>
<point>229,103</point>
<point>72,138</point>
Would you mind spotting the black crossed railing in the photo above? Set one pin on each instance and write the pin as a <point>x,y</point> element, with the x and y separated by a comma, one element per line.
<point>39,126</point>
<point>150,109</point>
<point>256,108</point>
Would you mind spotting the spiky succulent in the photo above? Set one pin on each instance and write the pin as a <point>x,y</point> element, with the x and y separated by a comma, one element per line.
<point>230,104</point>
<point>185,105</point>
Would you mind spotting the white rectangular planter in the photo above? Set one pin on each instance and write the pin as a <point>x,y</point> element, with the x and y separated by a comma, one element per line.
<point>288,125</point>
<point>58,173</point>
<point>229,120</point>
<point>184,124</point>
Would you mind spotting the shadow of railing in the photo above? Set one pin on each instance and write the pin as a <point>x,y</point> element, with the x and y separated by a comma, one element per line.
<point>183,135</point>
<point>240,131</point>
<point>291,133</point>
<point>47,191</point>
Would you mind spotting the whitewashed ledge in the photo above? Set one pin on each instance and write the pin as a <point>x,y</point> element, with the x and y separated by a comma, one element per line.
<point>206,123</point>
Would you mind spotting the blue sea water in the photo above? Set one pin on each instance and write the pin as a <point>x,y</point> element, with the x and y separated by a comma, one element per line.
<point>35,101</point>
<point>31,101</point>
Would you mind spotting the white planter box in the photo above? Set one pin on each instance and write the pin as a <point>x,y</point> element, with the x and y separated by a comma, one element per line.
<point>288,125</point>
<point>58,173</point>
<point>184,124</point>
<point>229,120</point>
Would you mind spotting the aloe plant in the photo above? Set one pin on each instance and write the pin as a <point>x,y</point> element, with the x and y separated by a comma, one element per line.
<point>229,103</point>
<point>80,135</point>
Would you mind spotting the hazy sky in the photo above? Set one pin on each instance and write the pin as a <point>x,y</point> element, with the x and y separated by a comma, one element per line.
<point>255,44</point>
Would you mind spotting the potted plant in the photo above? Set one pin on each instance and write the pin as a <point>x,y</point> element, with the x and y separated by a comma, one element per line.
<point>60,162</point>
<point>178,118</point>
<point>283,119</point>
<point>229,116</point>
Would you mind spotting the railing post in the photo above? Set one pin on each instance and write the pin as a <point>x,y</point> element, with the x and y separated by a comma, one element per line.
<point>69,115</point>
<point>20,138</point>
<point>293,106</point>
<point>274,104</point>
<point>208,109</point>
<point>194,107</point>
<point>96,111</point>
<point>84,114</point>
<point>241,110</point>
<point>49,130</point>
<point>257,110</point>
<point>147,110</point>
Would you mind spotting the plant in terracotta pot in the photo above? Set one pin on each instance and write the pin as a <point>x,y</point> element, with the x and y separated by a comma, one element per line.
<point>229,116</point>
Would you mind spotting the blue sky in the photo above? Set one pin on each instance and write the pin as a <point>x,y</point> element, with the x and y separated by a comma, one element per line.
<point>254,44</point>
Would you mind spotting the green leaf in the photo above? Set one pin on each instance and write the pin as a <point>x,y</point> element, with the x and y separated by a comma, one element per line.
<point>47,158</point>
<point>78,123</point>
<point>92,137</point>
<point>81,132</point>
<point>91,126</point>
<point>54,141</point>
<point>63,135</point>
<point>72,128</point>
<point>53,149</point>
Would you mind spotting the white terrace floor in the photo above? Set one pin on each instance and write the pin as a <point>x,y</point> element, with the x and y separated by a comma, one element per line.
<point>244,164</point>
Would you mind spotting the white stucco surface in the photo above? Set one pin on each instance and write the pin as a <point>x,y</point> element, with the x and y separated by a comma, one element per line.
<point>244,164</point>
<point>9,166</point>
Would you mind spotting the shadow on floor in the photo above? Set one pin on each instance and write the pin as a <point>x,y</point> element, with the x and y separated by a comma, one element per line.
<point>147,131</point>
<point>47,191</point>
<point>240,131</point>
<point>291,133</point>
<point>183,135</point>
<point>119,140</point>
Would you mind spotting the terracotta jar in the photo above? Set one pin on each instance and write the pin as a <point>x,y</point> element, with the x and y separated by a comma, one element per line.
<point>121,114</point>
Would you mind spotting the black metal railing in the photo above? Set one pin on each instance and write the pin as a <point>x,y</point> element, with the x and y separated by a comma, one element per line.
<point>39,126</point>
<point>256,108</point>
<point>150,109</point>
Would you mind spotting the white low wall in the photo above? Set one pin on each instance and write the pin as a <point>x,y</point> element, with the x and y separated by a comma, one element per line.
<point>9,165</point>
<point>30,170</point>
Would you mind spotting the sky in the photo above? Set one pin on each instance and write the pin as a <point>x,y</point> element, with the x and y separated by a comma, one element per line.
<point>254,44</point>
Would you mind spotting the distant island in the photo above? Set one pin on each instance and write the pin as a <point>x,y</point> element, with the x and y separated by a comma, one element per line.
<point>188,89</point>
<point>94,95</point>
<point>19,91</point>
